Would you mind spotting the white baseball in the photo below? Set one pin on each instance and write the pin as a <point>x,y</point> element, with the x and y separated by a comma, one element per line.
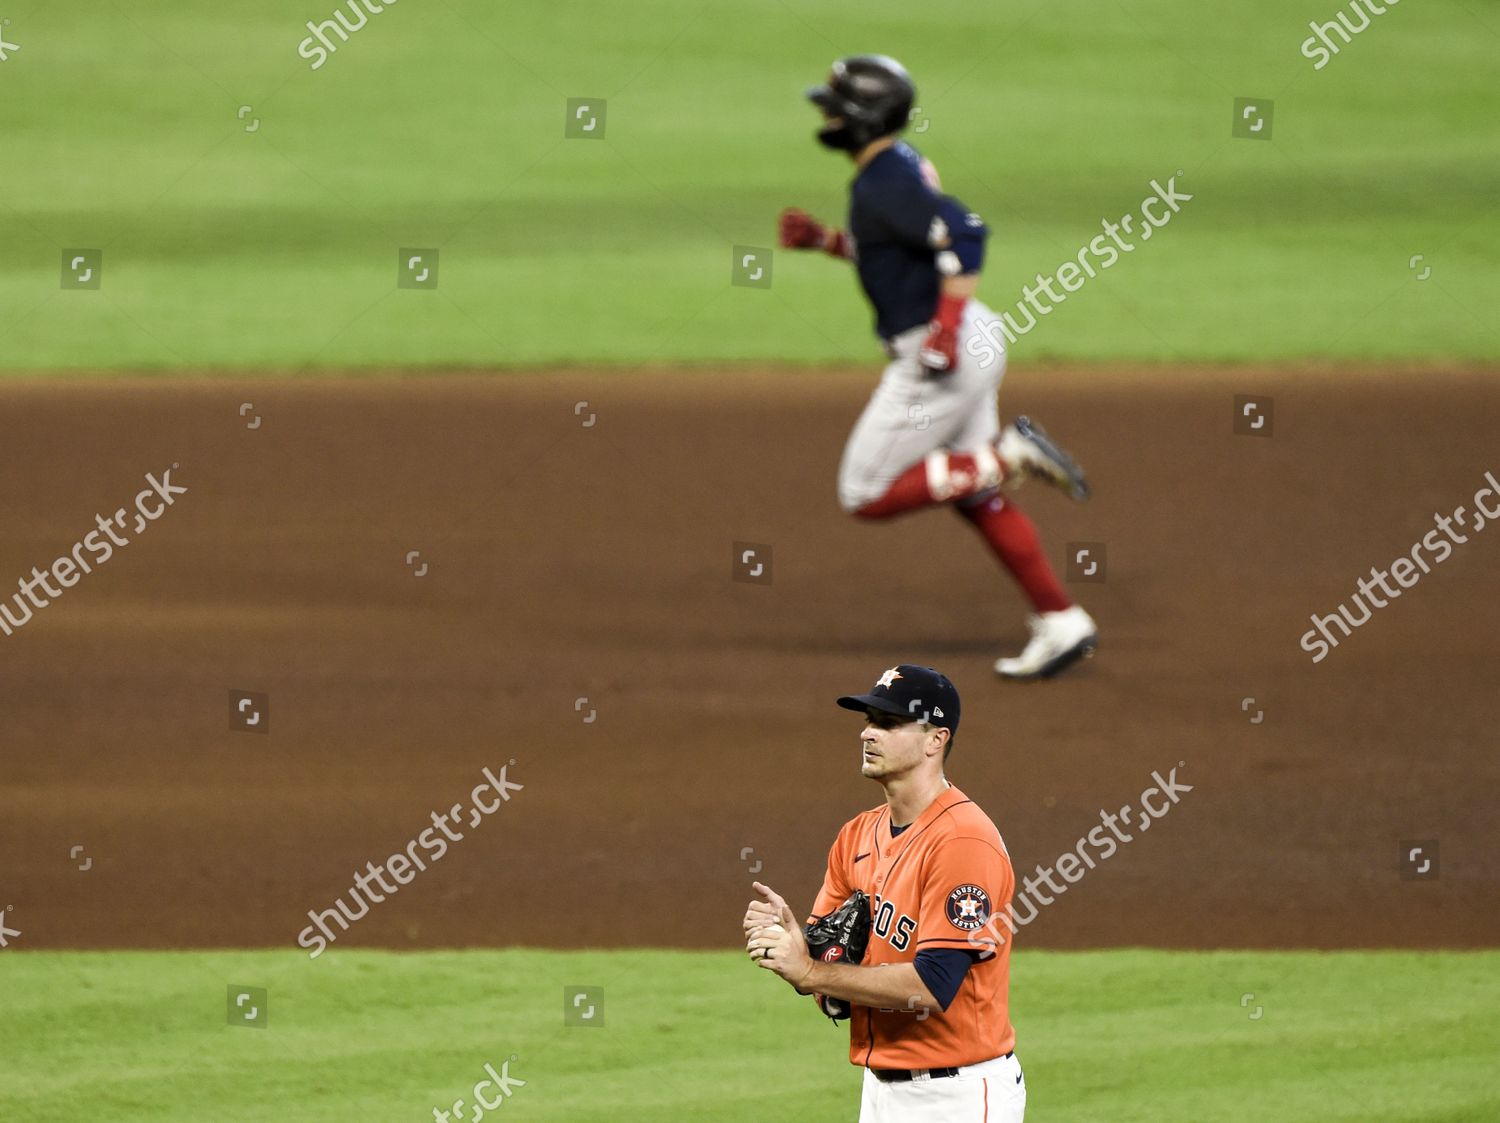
<point>775,929</point>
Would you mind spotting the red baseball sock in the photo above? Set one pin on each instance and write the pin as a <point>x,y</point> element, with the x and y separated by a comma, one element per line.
<point>1013,538</point>
<point>940,477</point>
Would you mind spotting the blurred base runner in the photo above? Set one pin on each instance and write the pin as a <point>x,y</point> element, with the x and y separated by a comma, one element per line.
<point>931,433</point>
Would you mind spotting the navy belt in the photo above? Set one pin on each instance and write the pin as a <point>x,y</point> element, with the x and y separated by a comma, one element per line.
<point>900,1075</point>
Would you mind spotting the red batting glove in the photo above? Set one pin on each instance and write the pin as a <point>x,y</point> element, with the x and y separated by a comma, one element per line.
<point>940,349</point>
<point>798,230</point>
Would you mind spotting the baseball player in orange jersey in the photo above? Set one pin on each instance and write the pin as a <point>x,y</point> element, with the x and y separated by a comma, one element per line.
<point>928,1006</point>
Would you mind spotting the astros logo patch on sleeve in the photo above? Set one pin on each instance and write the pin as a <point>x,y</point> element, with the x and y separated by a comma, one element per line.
<point>968,908</point>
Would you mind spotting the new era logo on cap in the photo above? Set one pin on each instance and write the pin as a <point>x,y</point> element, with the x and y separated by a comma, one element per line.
<point>911,691</point>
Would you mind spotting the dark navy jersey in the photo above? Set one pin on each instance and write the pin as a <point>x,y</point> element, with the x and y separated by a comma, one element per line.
<point>907,235</point>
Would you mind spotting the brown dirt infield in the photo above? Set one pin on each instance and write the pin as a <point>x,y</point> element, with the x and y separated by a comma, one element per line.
<point>571,561</point>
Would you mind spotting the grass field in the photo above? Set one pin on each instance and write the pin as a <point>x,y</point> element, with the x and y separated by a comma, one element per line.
<point>369,1036</point>
<point>441,125</point>
<point>244,212</point>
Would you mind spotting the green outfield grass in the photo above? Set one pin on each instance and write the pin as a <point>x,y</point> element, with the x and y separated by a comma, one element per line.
<point>440,125</point>
<point>361,1036</point>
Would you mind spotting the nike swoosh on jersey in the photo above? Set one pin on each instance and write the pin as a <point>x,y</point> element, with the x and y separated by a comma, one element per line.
<point>862,857</point>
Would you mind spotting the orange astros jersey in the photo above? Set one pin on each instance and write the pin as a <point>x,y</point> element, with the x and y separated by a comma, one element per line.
<point>935,885</point>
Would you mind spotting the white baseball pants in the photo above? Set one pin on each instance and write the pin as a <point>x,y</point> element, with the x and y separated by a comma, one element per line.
<point>989,1092</point>
<point>913,412</point>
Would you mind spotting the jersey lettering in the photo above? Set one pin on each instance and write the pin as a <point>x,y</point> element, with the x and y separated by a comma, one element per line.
<point>885,912</point>
<point>904,928</point>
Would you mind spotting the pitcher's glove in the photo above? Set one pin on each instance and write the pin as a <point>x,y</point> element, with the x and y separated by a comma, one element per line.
<point>840,937</point>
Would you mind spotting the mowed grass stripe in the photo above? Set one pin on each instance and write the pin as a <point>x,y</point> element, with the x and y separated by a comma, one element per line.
<point>441,126</point>
<point>358,1035</point>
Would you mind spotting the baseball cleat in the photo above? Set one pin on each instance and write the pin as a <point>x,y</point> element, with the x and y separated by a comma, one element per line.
<point>1058,639</point>
<point>1026,450</point>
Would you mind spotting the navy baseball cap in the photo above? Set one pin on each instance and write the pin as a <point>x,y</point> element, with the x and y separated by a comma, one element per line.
<point>912,692</point>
